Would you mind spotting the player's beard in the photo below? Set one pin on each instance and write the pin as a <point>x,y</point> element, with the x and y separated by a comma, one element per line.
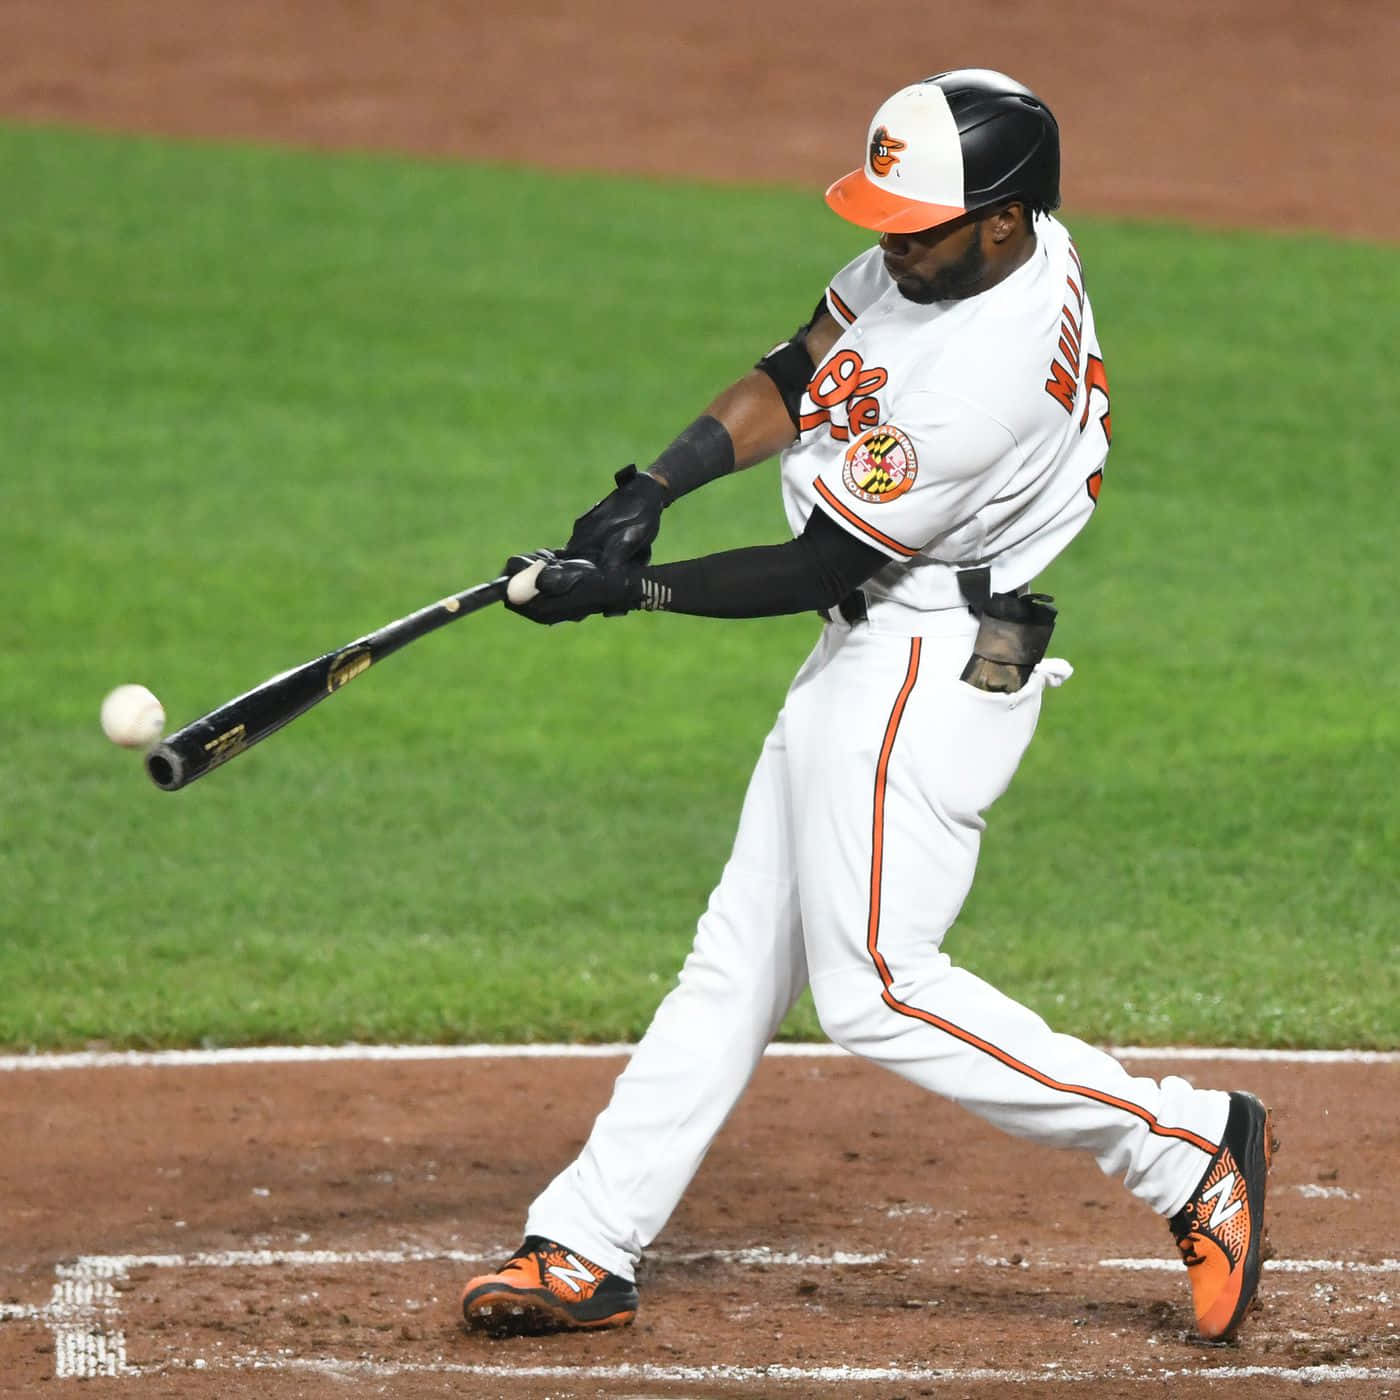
<point>960,279</point>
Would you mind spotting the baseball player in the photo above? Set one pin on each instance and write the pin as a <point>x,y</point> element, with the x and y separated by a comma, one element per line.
<point>942,420</point>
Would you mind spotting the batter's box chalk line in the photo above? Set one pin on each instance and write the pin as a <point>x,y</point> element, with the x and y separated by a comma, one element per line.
<point>320,1054</point>
<point>84,1316</point>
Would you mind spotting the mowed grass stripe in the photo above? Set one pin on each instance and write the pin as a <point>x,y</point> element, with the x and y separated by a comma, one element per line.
<point>256,403</point>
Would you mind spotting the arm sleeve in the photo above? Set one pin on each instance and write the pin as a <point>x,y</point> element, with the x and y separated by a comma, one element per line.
<point>812,572</point>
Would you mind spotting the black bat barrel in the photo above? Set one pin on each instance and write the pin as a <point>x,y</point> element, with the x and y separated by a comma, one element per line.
<point>237,725</point>
<point>225,733</point>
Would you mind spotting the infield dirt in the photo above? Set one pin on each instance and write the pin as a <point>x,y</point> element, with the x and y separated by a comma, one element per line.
<point>900,1233</point>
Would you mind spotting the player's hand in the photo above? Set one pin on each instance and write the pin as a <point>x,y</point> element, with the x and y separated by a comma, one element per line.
<point>620,528</point>
<point>568,590</point>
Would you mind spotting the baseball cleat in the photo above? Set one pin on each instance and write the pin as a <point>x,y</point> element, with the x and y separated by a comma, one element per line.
<point>1220,1230</point>
<point>543,1288</point>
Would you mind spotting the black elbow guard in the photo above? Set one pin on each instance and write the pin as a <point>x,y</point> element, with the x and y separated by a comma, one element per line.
<point>790,367</point>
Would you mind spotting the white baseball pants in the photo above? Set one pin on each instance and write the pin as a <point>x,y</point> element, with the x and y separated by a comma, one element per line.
<point>855,850</point>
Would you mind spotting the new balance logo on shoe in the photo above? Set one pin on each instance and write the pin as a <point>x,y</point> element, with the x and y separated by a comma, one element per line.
<point>576,1274</point>
<point>1225,1207</point>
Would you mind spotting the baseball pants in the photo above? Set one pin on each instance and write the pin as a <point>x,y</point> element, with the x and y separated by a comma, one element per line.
<point>855,850</point>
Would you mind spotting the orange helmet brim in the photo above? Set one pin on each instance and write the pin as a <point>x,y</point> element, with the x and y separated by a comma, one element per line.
<point>860,200</point>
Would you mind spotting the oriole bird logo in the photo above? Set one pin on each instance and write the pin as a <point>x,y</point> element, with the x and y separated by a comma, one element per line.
<point>882,151</point>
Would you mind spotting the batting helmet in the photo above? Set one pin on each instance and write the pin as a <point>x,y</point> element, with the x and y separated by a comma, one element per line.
<point>950,145</point>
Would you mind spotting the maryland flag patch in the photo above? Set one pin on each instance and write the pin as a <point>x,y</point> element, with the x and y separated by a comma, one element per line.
<point>880,465</point>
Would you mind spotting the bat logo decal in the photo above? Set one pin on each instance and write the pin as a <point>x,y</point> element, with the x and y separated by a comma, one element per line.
<point>347,666</point>
<point>223,746</point>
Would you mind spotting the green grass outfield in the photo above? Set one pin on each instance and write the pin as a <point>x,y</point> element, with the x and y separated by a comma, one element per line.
<point>254,403</point>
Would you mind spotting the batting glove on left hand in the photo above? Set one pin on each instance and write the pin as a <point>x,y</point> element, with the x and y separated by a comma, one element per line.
<point>572,589</point>
<point>619,530</point>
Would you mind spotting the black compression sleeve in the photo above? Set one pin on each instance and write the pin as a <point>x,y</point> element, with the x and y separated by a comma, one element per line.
<point>812,572</point>
<point>701,453</point>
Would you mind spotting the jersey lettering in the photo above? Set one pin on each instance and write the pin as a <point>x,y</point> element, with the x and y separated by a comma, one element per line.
<point>1096,377</point>
<point>1063,384</point>
<point>844,379</point>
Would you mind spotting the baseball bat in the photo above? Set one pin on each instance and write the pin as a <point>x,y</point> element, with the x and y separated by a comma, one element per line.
<point>247,719</point>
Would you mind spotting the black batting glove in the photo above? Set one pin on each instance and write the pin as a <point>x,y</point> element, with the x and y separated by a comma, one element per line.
<point>572,589</point>
<point>620,528</point>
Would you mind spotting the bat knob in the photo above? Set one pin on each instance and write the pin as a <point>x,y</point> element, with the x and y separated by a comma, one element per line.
<point>521,587</point>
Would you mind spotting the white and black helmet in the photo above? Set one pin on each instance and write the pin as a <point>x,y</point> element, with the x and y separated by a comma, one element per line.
<point>954,143</point>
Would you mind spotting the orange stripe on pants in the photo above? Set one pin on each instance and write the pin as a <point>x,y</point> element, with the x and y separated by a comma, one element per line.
<point>872,943</point>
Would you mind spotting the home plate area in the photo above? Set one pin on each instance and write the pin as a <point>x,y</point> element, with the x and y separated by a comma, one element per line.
<point>847,1236</point>
<point>912,1323</point>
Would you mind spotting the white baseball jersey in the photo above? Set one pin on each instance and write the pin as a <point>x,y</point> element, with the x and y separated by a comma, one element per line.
<point>956,435</point>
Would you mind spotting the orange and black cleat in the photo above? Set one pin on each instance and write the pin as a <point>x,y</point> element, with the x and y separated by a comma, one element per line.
<point>543,1288</point>
<point>1220,1230</point>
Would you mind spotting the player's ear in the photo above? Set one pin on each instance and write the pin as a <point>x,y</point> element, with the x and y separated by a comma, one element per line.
<point>1004,222</point>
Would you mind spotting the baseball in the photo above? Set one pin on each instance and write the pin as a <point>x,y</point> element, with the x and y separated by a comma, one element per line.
<point>132,717</point>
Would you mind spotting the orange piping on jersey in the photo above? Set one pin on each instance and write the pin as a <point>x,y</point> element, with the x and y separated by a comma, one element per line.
<point>872,944</point>
<point>840,306</point>
<point>846,513</point>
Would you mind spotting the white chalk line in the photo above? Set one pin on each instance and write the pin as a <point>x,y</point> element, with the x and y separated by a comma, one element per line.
<point>317,1054</point>
<point>1271,1266</point>
<point>84,1315</point>
<point>652,1373</point>
<point>109,1266</point>
<point>115,1265</point>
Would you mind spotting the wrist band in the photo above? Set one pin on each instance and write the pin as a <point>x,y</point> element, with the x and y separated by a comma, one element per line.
<point>701,453</point>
